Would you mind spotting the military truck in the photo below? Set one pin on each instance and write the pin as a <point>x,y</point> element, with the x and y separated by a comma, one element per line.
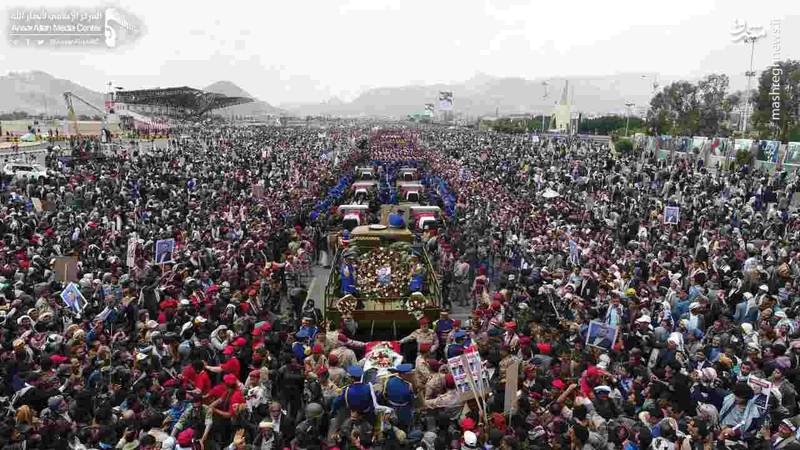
<point>379,251</point>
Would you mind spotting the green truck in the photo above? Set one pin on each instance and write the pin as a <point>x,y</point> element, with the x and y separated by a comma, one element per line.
<point>381,257</point>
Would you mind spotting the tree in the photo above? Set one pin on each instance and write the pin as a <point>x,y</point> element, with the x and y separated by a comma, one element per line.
<point>711,92</point>
<point>686,109</point>
<point>777,102</point>
<point>605,125</point>
<point>675,109</point>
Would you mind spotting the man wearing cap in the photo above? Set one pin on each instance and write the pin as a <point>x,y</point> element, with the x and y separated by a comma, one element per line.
<point>231,364</point>
<point>449,401</point>
<point>423,335</point>
<point>347,275</point>
<point>459,344</point>
<point>442,326</point>
<point>510,337</point>
<point>315,361</point>
<point>266,439</point>
<point>786,437</point>
<point>227,395</point>
<point>422,370</point>
<point>196,416</point>
<point>398,393</point>
<point>357,396</point>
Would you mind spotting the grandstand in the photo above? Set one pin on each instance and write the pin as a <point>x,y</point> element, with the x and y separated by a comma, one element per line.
<point>156,110</point>
<point>182,102</point>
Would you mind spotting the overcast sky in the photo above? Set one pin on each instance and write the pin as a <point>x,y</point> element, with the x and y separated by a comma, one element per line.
<point>302,50</point>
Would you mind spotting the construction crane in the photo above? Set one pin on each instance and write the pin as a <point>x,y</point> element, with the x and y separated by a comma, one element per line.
<point>68,97</point>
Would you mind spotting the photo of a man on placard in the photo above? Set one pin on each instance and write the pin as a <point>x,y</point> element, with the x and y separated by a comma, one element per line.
<point>73,298</point>
<point>601,335</point>
<point>672,215</point>
<point>164,250</point>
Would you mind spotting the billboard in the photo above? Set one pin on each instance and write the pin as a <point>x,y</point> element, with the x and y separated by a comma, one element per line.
<point>792,154</point>
<point>446,101</point>
<point>768,151</point>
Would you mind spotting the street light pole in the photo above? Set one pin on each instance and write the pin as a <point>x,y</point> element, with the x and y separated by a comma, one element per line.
<point>749,35</point>
<point>627,117</point>
<point>749,74</point>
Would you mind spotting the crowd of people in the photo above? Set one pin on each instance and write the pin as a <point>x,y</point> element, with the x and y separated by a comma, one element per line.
<point>625,331</point>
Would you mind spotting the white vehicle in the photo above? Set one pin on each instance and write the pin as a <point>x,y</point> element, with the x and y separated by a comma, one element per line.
<point>22,170</point>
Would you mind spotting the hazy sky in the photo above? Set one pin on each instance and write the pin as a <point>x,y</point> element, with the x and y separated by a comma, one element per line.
<point>302,50</point>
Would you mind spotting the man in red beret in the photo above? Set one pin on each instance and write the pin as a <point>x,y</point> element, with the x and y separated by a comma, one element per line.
<point>450,400</point>
<point>422,370</point>
<point>423,335</point>
<point>510,337</point>
<point>315,361</point>
<point>227,395</point>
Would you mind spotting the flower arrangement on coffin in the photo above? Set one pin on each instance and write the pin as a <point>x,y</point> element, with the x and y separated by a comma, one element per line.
<point>382,273</point>
<point>347,304</point>
<point>416,305</point>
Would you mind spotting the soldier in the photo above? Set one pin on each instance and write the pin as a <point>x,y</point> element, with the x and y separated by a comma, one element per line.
<point>316,361</point>
<point>421,367</point>
<point>510,337</point>
<point>443,326</point>
<point>449,401</point>
<point>423,335</point>
<point>460,343</point>
<point>506,361</point>
<point>398,393</point>
<point>357,395</point>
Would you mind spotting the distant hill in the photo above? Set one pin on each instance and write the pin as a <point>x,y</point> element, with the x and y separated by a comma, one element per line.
<point>485,95</point>
<point>255,108</point>
<point>39,92</point>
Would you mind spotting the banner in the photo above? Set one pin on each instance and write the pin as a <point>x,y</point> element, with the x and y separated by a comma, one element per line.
<point>763,390</point>
<point>792,154</point>
<point>721,146</point>
<point>474,365</point>
<point>445,101</point>
<point>698,142</point>
<point>768,151</point>
<point>743,144</point>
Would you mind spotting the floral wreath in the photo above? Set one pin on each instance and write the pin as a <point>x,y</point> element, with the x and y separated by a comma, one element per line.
<point>346,304</point>
<point>416,304</point>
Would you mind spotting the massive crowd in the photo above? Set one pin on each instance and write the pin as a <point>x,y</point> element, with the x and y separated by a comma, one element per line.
<point>626,331</point>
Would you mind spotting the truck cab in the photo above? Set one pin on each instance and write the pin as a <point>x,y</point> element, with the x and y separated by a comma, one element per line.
<point>353,215</point>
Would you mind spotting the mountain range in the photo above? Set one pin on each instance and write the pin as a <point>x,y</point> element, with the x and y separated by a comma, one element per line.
<point>39,92</point>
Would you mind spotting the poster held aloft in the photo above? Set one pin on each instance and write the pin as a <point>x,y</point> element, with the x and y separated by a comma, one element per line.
<point>601,335</point>
<point>73,298</point>
<point>165,248</point>
<point>672,215</point>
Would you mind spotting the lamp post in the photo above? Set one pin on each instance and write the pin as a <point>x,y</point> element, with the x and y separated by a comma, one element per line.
<point>749,35</point>
<point>628,117</point>
<point>544,97</point>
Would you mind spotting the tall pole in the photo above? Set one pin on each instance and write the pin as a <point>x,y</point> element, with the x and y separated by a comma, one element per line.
<point>741,32</point>
<point>628,117</point>
<point>749,74</point>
